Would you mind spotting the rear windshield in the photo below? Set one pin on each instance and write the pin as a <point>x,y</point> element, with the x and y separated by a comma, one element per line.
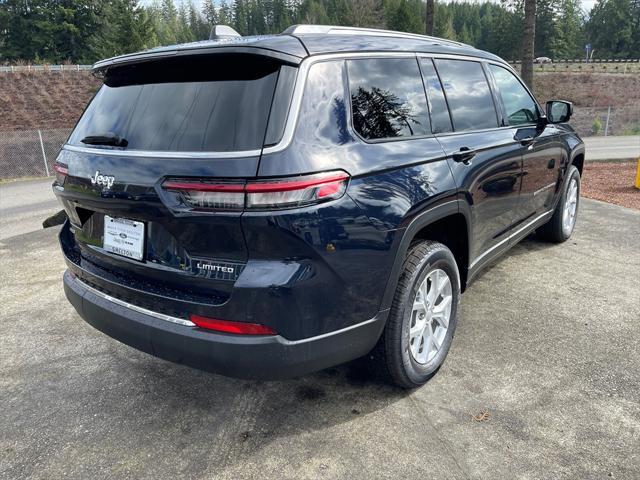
<point>209,103</point>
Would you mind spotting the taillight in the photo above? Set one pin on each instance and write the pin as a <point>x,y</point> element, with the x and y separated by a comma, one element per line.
<point>296,192</point>
<point>226,326</point>
<point>262,194</point>
<point>207,195</point>
<point>61,172</point>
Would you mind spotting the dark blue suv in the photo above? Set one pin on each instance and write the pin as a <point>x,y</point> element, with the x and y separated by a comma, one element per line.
<point>265,207</point>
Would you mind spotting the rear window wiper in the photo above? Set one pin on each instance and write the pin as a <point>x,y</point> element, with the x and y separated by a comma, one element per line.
<point>108,138</point>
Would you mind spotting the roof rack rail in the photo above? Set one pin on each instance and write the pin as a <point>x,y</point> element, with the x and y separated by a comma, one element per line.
<point>338,30</point>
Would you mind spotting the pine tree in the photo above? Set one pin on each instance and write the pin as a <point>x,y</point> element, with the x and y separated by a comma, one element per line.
<point>611,28</point>
<point>124,28</point>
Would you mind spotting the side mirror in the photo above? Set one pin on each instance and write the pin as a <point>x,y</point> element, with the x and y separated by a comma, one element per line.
<point>559,111</point>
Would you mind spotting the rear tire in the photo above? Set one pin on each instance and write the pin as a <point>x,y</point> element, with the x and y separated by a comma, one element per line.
<point>560,226</point>
<point>423,317</point>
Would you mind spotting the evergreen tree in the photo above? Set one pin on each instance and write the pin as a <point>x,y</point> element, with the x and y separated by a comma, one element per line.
<point>200,27</point>
<point>568,37</point>
<point>124,28</point>
<point>225,14</point>
<point>404,16</point>
<point>85,30</point>
<point>611,28</point>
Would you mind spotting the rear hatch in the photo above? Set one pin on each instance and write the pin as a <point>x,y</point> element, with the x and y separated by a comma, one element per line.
<point>155,124</point>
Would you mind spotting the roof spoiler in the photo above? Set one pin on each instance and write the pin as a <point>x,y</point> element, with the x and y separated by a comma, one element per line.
<point>223,31</point>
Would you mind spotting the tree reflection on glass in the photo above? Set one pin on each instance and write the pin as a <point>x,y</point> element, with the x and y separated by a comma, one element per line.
<point>378,113</point>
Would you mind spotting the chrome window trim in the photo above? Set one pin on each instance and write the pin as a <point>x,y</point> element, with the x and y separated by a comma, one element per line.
<point>135,308</point>
<point>509,69</point>
<point>160,153</point>
<point>374,141</point>
<point>296,102</point>
<point>294,110</point>
<point>511,236</point>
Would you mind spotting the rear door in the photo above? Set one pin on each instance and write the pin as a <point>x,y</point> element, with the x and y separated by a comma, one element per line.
<point>145,155</point>
<point>540,145</point>
<point>484,159</point>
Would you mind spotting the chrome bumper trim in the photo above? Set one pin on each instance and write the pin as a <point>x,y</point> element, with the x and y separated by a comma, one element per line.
<point>135,308</point>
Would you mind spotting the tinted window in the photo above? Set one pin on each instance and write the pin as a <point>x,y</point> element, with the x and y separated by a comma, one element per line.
<point>323,119</point>
<point>280,105</point>
<point>518,104</point>
<point>468,94</point>
<point>387,98</point>
<point>185,105</point>
<point>440,120</point>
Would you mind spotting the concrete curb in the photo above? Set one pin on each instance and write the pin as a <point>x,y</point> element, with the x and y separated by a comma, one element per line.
<point>611,160</point>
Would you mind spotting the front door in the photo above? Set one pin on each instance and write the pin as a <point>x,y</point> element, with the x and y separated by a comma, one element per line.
<point>485,159</point>
<point>542,153</point>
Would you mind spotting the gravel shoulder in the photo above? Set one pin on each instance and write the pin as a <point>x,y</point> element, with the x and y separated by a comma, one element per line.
<point>611,182</point>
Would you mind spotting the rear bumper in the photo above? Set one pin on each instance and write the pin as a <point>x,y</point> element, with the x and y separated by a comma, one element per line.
<point>252,357</point>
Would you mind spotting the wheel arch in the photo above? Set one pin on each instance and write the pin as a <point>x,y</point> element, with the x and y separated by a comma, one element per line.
<point>447,223</point>
<point>577,160</point>
<point>576,149</point>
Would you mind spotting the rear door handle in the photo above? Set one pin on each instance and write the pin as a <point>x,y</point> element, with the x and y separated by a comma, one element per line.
<point>551,164</point>
<point>464,155</point>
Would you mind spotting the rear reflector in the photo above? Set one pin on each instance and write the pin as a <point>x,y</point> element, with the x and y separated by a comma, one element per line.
<point>265,194</point>
<point>238,328</point>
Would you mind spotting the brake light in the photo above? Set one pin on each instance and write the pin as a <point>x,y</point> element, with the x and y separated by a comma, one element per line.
<point>226,326</point>
<point>262,194</point>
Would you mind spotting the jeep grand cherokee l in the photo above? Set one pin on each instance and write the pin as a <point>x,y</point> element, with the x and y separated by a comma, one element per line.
<point>264,207</point>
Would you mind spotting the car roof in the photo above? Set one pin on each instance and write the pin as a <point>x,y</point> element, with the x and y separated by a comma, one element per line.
<point>300,41</point>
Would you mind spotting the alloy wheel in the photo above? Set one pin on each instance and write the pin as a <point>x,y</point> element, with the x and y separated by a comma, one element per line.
<point>430,316</point>
<point>570,207</point>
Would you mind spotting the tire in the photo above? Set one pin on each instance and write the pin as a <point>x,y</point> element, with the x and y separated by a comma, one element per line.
<point>397,356</point>
<point>556,230</point>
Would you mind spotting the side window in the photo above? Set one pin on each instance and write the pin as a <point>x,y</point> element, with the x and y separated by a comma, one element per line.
<point>440,120</point>
<point>468,94</point>
<point>387,98</point>
<point>518,104</point>
<point>323,118</point>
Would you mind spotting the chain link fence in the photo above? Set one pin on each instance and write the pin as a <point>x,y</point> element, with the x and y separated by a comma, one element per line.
<point>30,153</point>
<point>43,68</point>
<point>606,121</point>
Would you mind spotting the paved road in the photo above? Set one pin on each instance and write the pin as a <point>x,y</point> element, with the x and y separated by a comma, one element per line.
<point>612,148</point>
<point>24,205</point>
<point>548,344</point>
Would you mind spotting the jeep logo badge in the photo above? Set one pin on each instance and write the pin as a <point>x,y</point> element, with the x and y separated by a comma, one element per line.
<point>103,180</point>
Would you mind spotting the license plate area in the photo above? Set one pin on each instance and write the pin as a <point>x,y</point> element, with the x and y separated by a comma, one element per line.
<point>124,237</point>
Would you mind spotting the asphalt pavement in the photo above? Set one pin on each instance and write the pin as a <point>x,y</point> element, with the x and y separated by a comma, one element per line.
<point>24,204</point>
<point>542,381</point>
<point>612,148</point>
